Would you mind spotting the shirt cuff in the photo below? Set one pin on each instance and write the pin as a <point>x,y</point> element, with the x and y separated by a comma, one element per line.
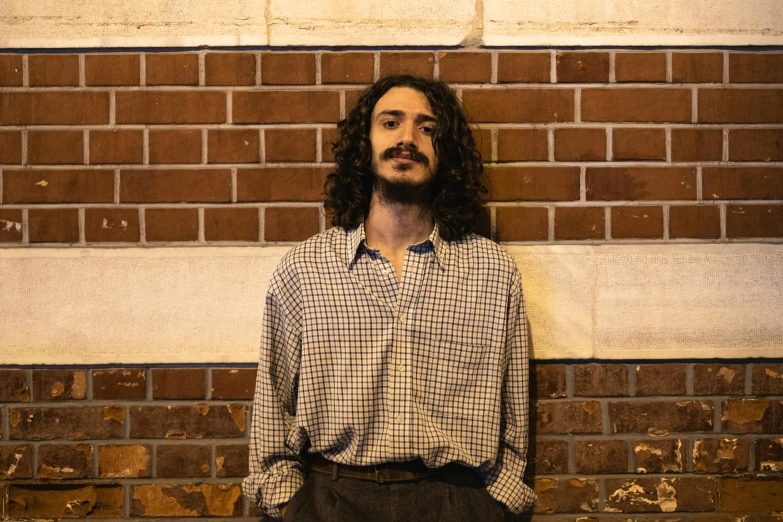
<point>279,489</point>
<point>509,490</point>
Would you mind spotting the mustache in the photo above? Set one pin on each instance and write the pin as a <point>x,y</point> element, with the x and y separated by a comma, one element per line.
<point>412,154</point>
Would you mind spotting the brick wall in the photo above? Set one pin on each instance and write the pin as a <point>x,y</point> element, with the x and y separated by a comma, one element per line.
<point>702,442</point>
<point>232,147</point>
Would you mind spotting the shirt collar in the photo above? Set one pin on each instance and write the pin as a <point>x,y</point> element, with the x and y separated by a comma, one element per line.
<point>357,238</point>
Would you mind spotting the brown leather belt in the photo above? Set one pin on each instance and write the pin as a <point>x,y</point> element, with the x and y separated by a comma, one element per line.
<point>392,472</point>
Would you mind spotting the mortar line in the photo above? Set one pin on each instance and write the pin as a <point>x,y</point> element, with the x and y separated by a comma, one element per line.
<point>318,79</point>
<point>725,152</point>
<point>204,146</point>
<point>80,214</point>
<point>24,146</point>
<point>694,104</point>
<point>229,107</point>
<point>665,222</point>
<point>82,73</point>
<point>552,67</point>
<point>578,105</point>
<point>116,198</point>
<point>262,145</point>
<point>582,183</point>
<point>725,67</point>
<point>493,134</point>
<point>342,105</point>
<point>201,225</point>
<point>493,68</point>
<point>86,147</point>
<point>112,108</point>
<point>202,68</point>
<point>550,215</point>
<point>668,137</point>
<point>612,78</point>
<point>25,71</point>
<point>699,193</point>
<point>668,67</point>
<point>607,223</point>
<point>142,227</point>
<point>233,185</point>
<point>609,144</point>
<point>142,69</point>
<point>722,221</point>
<point>436,65</point>
<point>550,144</point>
<point>321,220</point>
<point>145,143</point>
<point>319,145</point>
<point>1,186</point>
<point>376,67</point>
<point>261,221</point>
<point>25,233</point>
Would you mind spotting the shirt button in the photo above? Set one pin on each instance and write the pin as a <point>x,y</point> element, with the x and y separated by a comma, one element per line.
<point>400,417</point>
<point>384,271</point>
<point>402,318</point>
<point>401,368</point>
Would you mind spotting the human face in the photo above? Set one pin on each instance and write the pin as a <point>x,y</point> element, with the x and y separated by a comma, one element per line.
<point>401,133</point>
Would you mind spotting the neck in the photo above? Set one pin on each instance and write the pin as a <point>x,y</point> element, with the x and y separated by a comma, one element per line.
<point>396,226</point>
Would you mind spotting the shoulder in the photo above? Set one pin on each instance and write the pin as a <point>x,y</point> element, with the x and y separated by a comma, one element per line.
<point>323,248</point>
<point>487,258</point>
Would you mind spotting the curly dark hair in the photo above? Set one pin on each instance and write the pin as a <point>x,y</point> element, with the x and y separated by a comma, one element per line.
<point>458,181</point>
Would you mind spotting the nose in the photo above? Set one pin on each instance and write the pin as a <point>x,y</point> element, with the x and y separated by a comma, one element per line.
<point>407,137</point>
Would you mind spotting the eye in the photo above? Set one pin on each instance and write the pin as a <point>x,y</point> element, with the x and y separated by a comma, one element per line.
<point>389,124</point>
<point>427,129</point>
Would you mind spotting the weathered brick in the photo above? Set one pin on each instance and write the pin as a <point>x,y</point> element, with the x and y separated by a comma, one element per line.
<point>286,106</point>
<point>416,63</point>
<point>660,379</point>
<point>600,380</point>
<point>727,455</point>
<point>661,418</point>
<point>756,67</point>
<point>185,500</point>
<point>697,67</point>
<point>171,107</point>
<point>464,67</point>
<point>233,146</point>
<point>57,385</point>
<point>172,68</point>
<point>11,147</point>
<point>26,501</point>
<point>124,461</point>
<point>53,70</point>
<point>54,108</point>
<point>175,186</point>
<point>231,460</point>
<point>116,146</point>
<point>127,384</point>
<point>231,224</point>
<point>697,144</point>
<point>289,145</point>
<point>522,223</point>
<point>740,106</point>
<point>175,146</point>
<point>769,454</point>
<point>756,144</point>
<point>112,69</point>
<point>752,415</point>
<point>582,67</point>
<point>183,460</point>
<point>743,183</point>
<point>10,232</point>
<point>568,417</point>
<point>64,461</point>
<point>13,386</point>
<point>550,456</point>
<point>281,184</point>
<point>519,105</point>
<point>637,222</point>
<point>754,221</point>
<point>230,68</point>
<point>659,456</point>
<point>767,378</point>
<point>347,67</point>
<point>237,383</point>
<point>167,224</point>
<point>701,221</point>
<point>601,456</point>
<point>58,186</point>
<point>515,67</point>
<point>638,144</point>
<point>576,495</point>
<point>290,224</point>
<point>522,145</point>
<point>187,422</point>
<point>72,423</point>
<point>50,225</point>
<point>640,67</point>
<point>641,183</point>
<point>718,379</point>
<point>532,183</point>
<point>285,68</point>
<point>579,223</point>
<point>580,144</point>
<point>550,380</point>
<point>636,105</point>
<point>179,383</point>
<point>111,225</point>
<point>749,494</point>
<point>16,461</point>
<point>10,70</point>
<point>655,495</point>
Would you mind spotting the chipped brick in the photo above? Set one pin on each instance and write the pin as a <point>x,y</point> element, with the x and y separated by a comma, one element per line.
<point>64,461</point>
<point>601,456</point>
<point>656,495</point>
<point>231,460</point>
<point>73,423</point>
<point>187,422</point>
<point>718,379</point>
<point>661,418</point>
<point>752,415</point>
<point>127,384</point>
<point>748,494</point>
<point>14,386</point>
<point>569,417</point>
<point>56,385</point>
<point>726,455</point>
<point>550,456</point>
<point>600,380</point>
<point>184,460</point>
<point>659,456</point>
<point>767,378</point>
<point>769,454</point>
<point>566,495</point>
<point>660,379</point>
<point>233,383</point>
<point>123,461</point>
<point>550,380</point>
<point>16,461</point>
<point>185,500</point>
<point>65,501</point>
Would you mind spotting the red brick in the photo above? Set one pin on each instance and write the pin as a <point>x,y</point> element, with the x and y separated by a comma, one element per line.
<point>740,105</point>
<point>64,461</point>
<point>576,495</point>
<point>185,500</point>
<point>233,383</point>
<point>171,107</point>
<point>11,70</point>
<point>347,68</point>
<point>522,223</point>
<point>231,224</point>
<point>600,380</point>
<point>725,455</point>
<point>697,67</point>
<point>328,138</point>
<point>549,456</point>
<point>231,460</point>
<point>288,68</point>
<point>524,67</point>
<point>196,421</point>
<point>582,67</point>
<point>281,184</point>
<point>185,460</point>
<point>55,108</point>
<point>533,183</point>
<point>230,68</point>
<point>756,67</point>
<point>58,385</point>
<point>568,417</point>
<point>174,186</point>
<point>166,224</point>
<point>756,145</point>
<point>483,139</point>
<point>636,105</point>
<point>743,183</point>
<point>754,221</point>
<point>640,183</point>
<point>654,495</point>
<point>185,383</point>
<point>112,69</point>
<point>748,494</point>
<point>172,69</point>
<point>701,222</point>
<point>351,98</point>
<point>579,223</point>
<point>111,225</point>
<point>72,423</point>
<point>416,63</point>
<point>13,386</point>
<point>233,146</point>
<point>601,456</point>
<point>659,455</point>
<point>10,232</point>
<point>57,501</point>
<point>637,222</point>
<point>638,144</point>
<point>769,454</point>
<point>116,147</point>
<point>126,384</point>
<point>290,224</point>
<point>125,461</point>
<point>52,70</point>
<point>175,146</point>
<point>523,145</point>
<point>660,379</point>
<point>640,67</point>
<point>767,378</point>
<point>718,379</point>
<point>519,105</point>
<point>55,147</point>
<point>286,106</point>
<point>290,145</point>
<point>16,461</point>
<point>53,225</point>
<point>697,144</point>
<point>10,147</point>
<point>661,417</point>
<point>464,67</point>
<point>580,144</point>
<point>550,380</point>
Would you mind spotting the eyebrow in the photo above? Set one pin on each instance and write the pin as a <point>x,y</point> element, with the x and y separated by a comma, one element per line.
<point>399,114</point>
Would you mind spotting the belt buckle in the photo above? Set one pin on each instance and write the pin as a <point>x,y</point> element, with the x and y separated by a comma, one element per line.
<point>378,475</point>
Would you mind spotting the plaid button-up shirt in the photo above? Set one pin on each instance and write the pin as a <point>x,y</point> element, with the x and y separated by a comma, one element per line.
<point>368,370</point>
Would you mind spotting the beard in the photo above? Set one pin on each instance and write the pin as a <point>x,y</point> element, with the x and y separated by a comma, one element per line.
<point>403,191</point>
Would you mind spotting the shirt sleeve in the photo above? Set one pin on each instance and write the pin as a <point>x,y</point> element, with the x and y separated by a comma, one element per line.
<point>276,472</point>
<point>504,480</point>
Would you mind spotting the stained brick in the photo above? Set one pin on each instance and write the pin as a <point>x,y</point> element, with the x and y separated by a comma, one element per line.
<point>281,184</point>
<point>767,378</point>
<point>601,456</point>
<point>640,183</point>
<point>740,105</point>
<point>13,386</point>
<point>464,67</point>
<point>55,147</point>
<point>549,456</point>
<point>769,455</point>
<point>55,108</point>
<point>172,69</point>
<point>287,68</point>
<point>568,417</point>
<point>185,500</point>
<point>10,232</point>
<point>582,67</point>
<point>57,385</point>
<point>230,68</point>
<point>659,456</point>
<point>183,460</point>
<point>519,105</point>
<point>10,70</point>
<point>661,418</point>
<point>56,501</point>
<point>416,63</point>
<point>756,67</point>
<point>640,67</point>
<point>233,383</point>
<point>125,461</point>
<point>660,379</point>
<point>522,223</point>
<point>286,106</point>
<point>181,383</point>
<point>524,67</point>
<point>749,494</point>
<point>637,222</point>
<point>550,380</point>
<point>697,144</point>
<point>233,146</point>
<point>64,461</point>
<point>73,423</point>
<point>52,70</point>
<point>580,144</point>
<point>347,67</point>
<point>111,225</point>
<point>702,222</point>
<point>175,186</point>
<point>172,107</point>
<point>11,147</point>
<point>53,225</point>
<point>754,221</point>
<point>522,145</point>
<point>576,495</point>
<point>231,224</point>
<point>718,379</point>
<point>697,67</point>
<point>600,380</point>
<point>166,224</point>
<point>579,223</point>
<point>290,145</point>
<point>112,69</point>
<point>727,455</point>
<point>756,144</point>
<point>187,422</point>
<point>638,144</point>
<point>231,460</point>
<point>116,146</point>
<point>127,384</point>
<point>532,183</point>
<point>743,183</point>
<point>653,495</point>
<point>290,224</point>
<point>16,461</point>
<point>636,105</point>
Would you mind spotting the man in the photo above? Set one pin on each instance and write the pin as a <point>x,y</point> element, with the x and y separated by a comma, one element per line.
<point>392,382</point>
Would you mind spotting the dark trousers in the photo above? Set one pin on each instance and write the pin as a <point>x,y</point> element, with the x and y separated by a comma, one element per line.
<point>451,498</point>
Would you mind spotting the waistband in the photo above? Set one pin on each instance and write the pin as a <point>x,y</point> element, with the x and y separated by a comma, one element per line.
<point>391,472</point>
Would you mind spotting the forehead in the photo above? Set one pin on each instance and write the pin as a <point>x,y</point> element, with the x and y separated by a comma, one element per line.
<point>403,99</point>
